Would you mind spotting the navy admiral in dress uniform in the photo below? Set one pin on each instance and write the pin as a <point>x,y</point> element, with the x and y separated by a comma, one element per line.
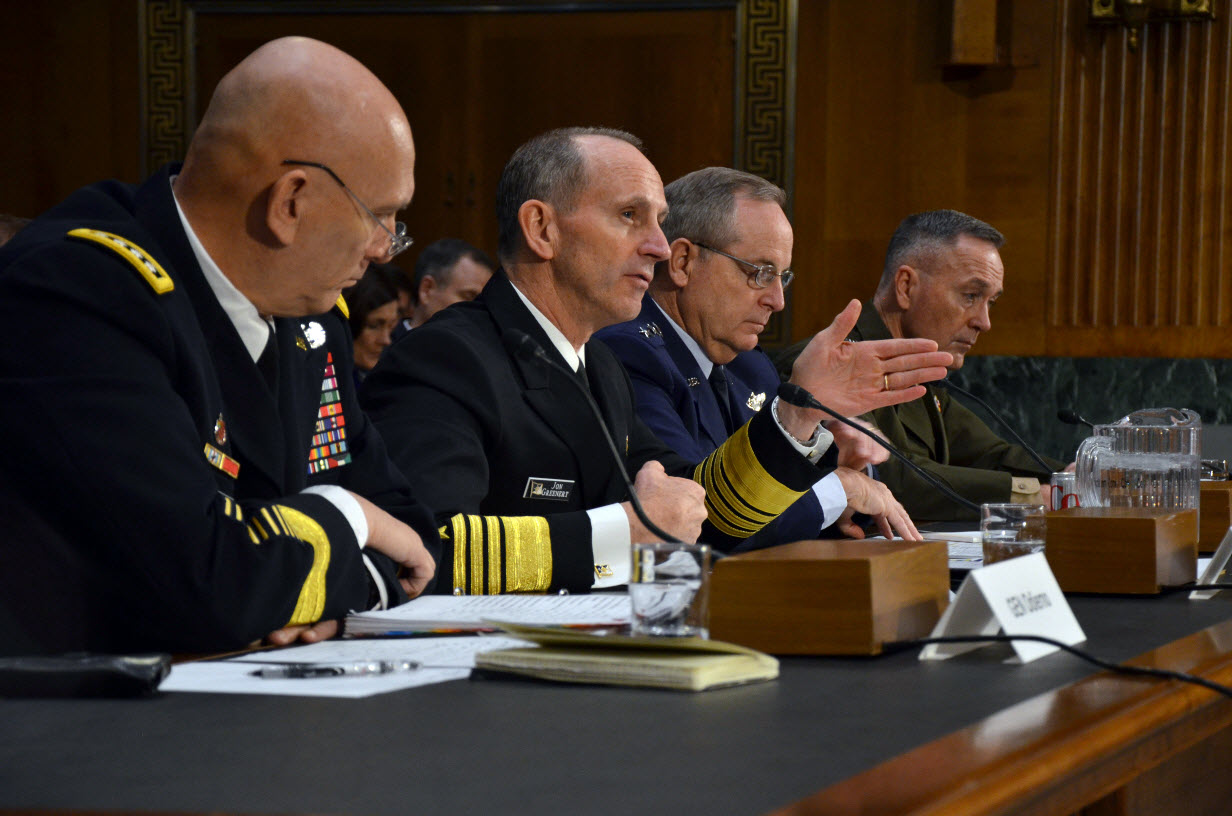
<point>703,376</point>
<point>187,467</point>
<point>507,451</point>
<point>942,274</point>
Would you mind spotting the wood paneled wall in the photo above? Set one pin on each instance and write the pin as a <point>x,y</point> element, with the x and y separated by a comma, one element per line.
<point>1107,170</point>
<point>68,99</point>
<point>1140,230</point>
<point>886,129</point>
<point>535,72</point>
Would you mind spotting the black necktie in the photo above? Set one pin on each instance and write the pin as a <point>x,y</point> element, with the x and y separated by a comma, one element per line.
<point>718,382</point>
<point>267,363</point>
<point>581,375</point>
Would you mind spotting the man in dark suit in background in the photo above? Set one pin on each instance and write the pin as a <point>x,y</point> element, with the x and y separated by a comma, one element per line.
<point>941,276</point>
<point>447,271</point>
<point>506,449</point>
<point>186,466</point>
<point>692,353</point>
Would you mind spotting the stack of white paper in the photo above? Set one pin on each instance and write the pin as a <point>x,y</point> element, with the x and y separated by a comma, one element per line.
<point>437,613</point>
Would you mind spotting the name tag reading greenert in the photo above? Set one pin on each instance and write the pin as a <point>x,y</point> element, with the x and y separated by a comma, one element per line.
<point>1015,597</point>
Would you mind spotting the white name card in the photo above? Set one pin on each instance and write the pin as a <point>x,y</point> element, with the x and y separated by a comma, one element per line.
<point>1015,597</point>
<point>1216,571</point>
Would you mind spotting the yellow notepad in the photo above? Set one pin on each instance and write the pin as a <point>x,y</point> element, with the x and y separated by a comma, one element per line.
<point>687,664</point>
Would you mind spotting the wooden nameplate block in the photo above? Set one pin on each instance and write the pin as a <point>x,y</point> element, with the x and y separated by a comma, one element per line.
<point>1214,514</point>
<point>1122,550</point>
<point>829,597</point>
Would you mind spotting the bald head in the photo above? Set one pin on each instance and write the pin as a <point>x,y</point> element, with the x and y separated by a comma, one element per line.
<point>297,97</point>
<point>294,98</point>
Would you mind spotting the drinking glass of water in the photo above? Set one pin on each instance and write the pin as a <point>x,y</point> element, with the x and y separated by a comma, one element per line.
<point>670,590</point>
<point>1010,530</point>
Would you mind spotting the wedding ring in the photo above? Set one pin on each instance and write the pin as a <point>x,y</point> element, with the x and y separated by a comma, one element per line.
<point>885,378</point>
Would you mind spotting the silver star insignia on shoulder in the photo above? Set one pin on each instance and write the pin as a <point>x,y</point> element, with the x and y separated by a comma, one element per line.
<point>756,401</point>
<point>315,333</point>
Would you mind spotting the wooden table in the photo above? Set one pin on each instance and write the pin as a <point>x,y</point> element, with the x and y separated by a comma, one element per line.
<point>1101,746</point>
<point>833,735</point>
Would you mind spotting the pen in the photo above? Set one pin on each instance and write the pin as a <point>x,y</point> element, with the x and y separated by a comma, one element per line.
<point>365,668</point>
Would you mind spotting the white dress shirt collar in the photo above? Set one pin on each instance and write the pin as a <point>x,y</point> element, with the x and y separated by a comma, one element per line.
<point>574,357</point>
<point>253,329</point>
<point>703,362</point>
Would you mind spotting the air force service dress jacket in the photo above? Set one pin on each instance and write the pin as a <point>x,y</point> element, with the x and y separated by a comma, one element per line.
<point>151,482</point>
<point>950,442</point>
<point>677,402</point>
<point>510,455</point>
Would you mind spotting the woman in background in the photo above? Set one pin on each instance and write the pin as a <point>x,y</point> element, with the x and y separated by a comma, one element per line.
<point>373,304</point>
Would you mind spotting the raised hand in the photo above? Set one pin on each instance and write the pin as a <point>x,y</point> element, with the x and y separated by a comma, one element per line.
<point>855,378</point>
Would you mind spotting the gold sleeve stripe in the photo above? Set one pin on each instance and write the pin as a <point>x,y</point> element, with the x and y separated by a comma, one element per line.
<point>255,524</point>
<point>528,553</point>
<point>272,522</point>
<point>494,554</point>
<point>311,603</point>
<point>717,511</point>
<point>137,257</point>
<point>231,508</point>
<point>492,534</point>
<point>724,506</point>
<point>282,520</point>
<point>457,528</point>
<point>741,496</point>
<point>475,539</point>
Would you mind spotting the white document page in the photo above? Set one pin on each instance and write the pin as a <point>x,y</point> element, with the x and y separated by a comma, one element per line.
<point>966,549</point>
<point>447,658</point>
<point>476,611</point>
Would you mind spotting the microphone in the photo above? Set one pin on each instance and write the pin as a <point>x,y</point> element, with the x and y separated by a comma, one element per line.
<point>1000,419</point>
<point>1071,417</point>
<point>520,344</point>
<point>793,394</point>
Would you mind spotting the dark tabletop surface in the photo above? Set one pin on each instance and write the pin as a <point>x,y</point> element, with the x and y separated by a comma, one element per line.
<point>497,746</point>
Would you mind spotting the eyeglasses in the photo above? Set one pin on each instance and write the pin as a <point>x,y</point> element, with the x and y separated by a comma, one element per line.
<point>761,276</point>
<point>399,241</point>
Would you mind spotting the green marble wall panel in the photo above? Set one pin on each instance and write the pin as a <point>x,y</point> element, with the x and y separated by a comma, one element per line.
<point>1028,391</point>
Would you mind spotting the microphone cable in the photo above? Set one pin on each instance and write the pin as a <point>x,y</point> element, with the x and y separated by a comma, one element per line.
<point>1108,665</point>
<point>523,345</point>
<point>793,394</point>
<point>1001,420</point>
<point>1192,586</point>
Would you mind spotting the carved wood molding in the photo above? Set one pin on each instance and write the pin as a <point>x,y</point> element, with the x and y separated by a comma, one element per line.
<point>766,90</point>
<point>167,80</point>
<point>765,128</point>
<point>763,133</point>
